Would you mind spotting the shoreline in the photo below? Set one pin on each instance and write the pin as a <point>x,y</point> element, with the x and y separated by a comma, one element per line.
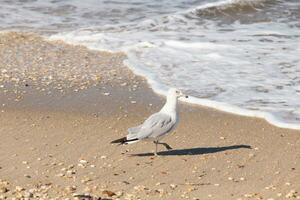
<point>56,141</point>
<point>96,77</point>
<point>160,89</point>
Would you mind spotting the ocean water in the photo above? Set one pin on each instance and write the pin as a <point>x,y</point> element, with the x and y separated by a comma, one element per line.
<point>239,56</point>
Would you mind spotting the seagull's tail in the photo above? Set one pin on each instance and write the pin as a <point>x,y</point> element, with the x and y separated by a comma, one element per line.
<point>132,136</point>
<point>124,140</point>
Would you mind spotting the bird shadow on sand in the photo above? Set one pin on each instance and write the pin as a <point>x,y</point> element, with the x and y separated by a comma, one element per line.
<point>195,151</point>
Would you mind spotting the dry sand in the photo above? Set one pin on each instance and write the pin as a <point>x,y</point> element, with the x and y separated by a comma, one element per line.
<point>57,120</point>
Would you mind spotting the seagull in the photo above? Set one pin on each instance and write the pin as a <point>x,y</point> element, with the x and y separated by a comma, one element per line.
<point>157,125</point>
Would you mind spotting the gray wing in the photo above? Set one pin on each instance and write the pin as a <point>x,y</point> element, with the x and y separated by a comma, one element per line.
<point>156,125</point>
<point>132,132</point>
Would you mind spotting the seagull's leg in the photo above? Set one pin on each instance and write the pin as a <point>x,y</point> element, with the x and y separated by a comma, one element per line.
<point>155,142</point>
<point>168,147</point>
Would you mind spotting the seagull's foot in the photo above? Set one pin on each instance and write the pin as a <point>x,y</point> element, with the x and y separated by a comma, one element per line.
<point>168,147</point>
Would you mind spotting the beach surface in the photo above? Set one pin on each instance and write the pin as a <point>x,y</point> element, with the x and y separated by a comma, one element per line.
<point>61,105</point>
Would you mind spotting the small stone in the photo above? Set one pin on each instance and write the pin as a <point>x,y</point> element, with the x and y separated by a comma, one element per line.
<point>119,193</point>
<point>60,174</point>
<point>19,189</point>
<point>81,165</point>
<point>139,187</point>
<point>70,172</point>
<point>70,166</point>
<point>83,161</point>
<point>86,179</point>
<point>27,176</point>
<point>28,195</point>
<point>291,194</point>
<point>70,189</point>
<point>279,194</point>
<point>248,195</point>
<point>108,193</point>
<point>173,186</point>
<point>3,190</point>
<point>87,190</point>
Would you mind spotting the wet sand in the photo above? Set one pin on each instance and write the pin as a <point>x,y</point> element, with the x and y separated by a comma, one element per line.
<point>55,135</point>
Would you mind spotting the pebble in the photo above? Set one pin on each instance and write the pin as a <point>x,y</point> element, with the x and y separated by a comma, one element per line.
<point>27,176</point>
<point>139,187</point>
<point>19,188</point>
<point>86,179</point>
<point>70,173</point>
<point>108,193</point>
<point>291,194</point>
<point>173,186</point>
<point>119,193</point>
<point>83,161</point>
<point>3,190</point>
<point>60,175</point>
<point>28,195</point>
<point>70,189</point>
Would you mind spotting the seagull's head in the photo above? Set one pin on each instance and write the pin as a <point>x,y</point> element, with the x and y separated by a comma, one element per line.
<point>176,93</point>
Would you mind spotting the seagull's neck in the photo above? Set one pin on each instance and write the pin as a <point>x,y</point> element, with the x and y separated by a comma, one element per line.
<point>170,105</point>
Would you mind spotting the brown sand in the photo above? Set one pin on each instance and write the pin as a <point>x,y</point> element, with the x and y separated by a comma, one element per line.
<point>55,135</point>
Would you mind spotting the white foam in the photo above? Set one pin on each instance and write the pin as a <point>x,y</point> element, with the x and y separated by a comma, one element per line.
<point>145,59</point>
<point>243,112</point>
<point>225,107</point>
<point>210,5</point>
<point>195,45</point>
<point>224,4</point>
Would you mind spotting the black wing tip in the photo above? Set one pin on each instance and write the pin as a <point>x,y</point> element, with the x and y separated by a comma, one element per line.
<point>122,141</point>
<point>119,141</point>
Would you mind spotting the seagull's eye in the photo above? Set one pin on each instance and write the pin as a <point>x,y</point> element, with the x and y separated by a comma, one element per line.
<point>177,92</point>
